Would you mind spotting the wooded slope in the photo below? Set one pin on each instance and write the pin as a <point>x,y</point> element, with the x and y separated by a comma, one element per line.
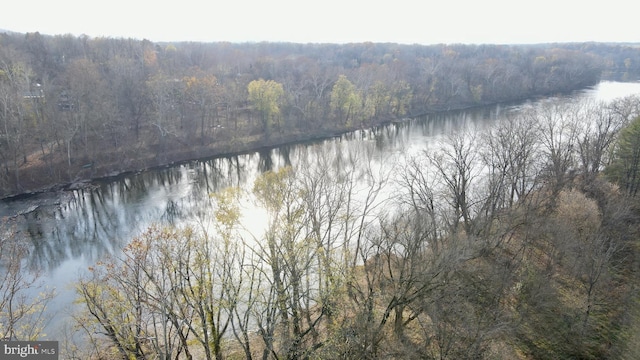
<point>74,108</point>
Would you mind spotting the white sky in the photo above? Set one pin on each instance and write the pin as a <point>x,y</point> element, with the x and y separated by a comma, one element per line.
<point>335,21</point>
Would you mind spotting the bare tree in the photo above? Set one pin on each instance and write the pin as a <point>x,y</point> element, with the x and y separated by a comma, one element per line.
<point>291,258</point>
<point>600,126</point>
<point>456,163</point>
<point>627,108</point>
<point>559,135</point>
<point>509,155</point>
<point>114,296</point>
<point>14,87</point>
<point>22,312</point>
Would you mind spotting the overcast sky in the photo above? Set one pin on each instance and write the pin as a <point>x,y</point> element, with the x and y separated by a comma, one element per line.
<point>334,21</point>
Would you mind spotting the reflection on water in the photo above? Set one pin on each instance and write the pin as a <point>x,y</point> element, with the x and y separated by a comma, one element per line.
<point>78,228</point>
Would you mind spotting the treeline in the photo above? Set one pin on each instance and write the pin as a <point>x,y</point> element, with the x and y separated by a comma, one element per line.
<point>505,243</point>
<point>73,108</point>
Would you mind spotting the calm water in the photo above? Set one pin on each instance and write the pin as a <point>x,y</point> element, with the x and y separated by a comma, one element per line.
<point>71,231</point>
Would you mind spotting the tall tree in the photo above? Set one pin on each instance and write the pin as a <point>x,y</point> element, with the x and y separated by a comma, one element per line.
<point>625,167</point>
<point>203,92</point>
<point>128,86</point>
<point>14,85</point>
<point>345,101</point>
<point>457,168</point>
<point>267,96</point>
<point>166,98</point>
<point>601,126</point>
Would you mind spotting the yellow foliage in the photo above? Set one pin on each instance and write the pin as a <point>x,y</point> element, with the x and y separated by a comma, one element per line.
<point>227,213</point>
<point>271,187</point>
<point>266,96</point>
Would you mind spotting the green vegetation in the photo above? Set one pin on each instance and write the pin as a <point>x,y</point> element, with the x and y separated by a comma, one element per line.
<point>345,101</point>
<point>266,97</point>
<point>625,168</point>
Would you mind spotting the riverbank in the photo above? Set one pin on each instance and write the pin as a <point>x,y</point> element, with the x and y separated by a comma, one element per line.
<point>123,161</point>
<point>117,163</point>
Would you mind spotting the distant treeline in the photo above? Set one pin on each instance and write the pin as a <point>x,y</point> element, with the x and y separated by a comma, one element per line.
<point>73,108</point>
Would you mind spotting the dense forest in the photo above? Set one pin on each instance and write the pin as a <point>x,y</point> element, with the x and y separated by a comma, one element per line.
<point>515,241</point>
<point>75,108</point>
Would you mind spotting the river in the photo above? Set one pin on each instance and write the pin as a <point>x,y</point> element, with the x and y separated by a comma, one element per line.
<point>72,230</point>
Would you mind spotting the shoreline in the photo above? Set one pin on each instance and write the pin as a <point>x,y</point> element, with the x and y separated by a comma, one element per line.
<point>256,145</point>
